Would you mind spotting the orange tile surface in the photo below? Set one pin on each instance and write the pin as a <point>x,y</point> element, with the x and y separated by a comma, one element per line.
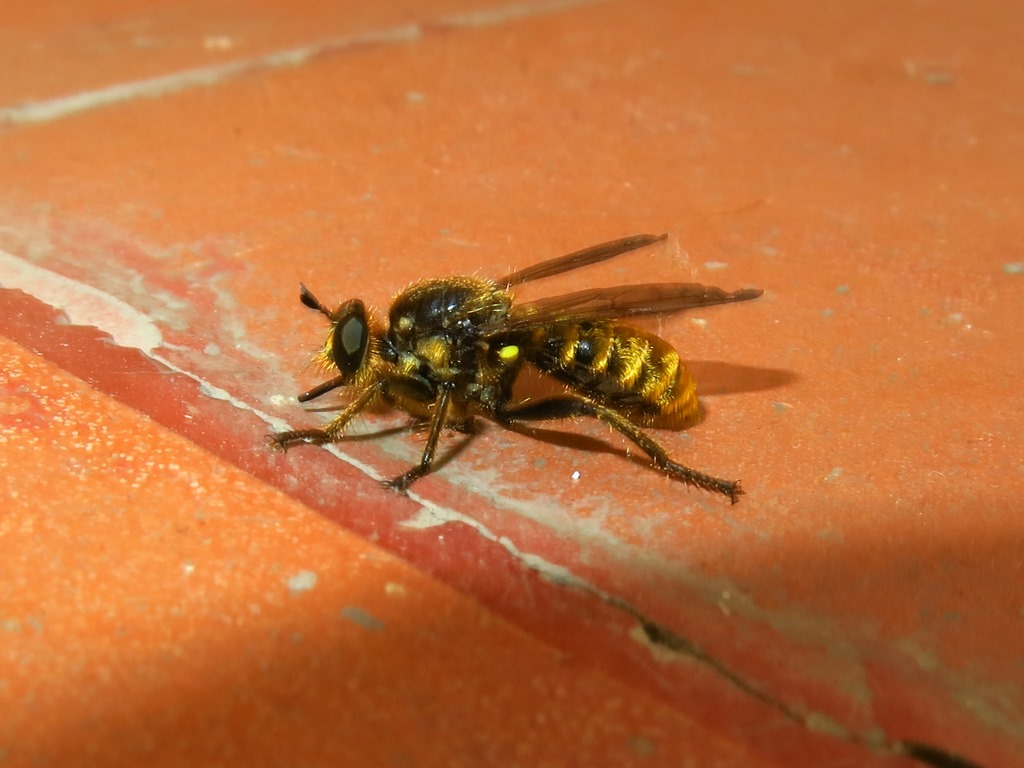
<point>175,590</point>
<point>163,608</point>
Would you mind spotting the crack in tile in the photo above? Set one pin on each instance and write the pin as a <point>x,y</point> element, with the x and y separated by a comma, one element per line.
<point>86,305</point>
<point>162,85</point>
<point>661,637</point>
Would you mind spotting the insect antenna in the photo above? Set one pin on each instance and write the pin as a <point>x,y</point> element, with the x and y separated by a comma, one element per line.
<point>306,297</point>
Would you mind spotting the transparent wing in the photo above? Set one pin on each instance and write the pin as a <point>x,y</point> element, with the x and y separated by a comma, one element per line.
<point>619,301</point>
<point>592,255</point>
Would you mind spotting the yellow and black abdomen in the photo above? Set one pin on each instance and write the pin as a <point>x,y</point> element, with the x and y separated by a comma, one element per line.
<point>636,373</point>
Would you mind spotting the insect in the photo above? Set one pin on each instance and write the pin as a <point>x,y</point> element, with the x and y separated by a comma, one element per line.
<point>453,347</point>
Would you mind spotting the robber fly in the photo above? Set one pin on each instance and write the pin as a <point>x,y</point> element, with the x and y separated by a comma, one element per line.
<point>453,347</point>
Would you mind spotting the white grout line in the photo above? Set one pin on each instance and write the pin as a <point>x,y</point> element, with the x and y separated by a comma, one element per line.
<point>128,327</point>
<point>85,305</point>
<point>491,17</point>
<point>53,109</point>
<point>432,515</point>
<point>63,106</point>
<point>82,303</point>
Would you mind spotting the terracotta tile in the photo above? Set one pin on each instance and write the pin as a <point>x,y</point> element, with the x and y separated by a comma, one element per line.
<point>855,164</point>
<point>59,51</point>
<point>163,606</point>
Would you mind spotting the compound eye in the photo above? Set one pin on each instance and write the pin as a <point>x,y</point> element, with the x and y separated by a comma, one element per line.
<point>350,338</point>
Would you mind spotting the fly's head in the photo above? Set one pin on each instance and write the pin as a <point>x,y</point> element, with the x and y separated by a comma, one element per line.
<point>351,348</point>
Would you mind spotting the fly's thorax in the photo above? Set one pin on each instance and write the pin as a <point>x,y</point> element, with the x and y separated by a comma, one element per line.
<point>436,326</point>
<point>455,306</point>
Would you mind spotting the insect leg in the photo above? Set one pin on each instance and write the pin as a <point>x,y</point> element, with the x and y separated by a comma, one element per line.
<point>402,482</point>
<point>570,407</point>
<point>282,441</point>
